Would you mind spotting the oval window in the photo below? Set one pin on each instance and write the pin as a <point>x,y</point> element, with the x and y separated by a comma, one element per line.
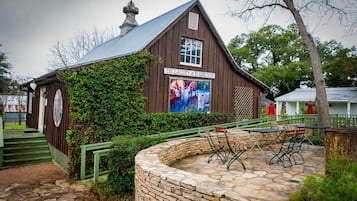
<point>58,108</point>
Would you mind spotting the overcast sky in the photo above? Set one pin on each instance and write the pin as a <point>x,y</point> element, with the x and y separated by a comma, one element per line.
<point>29,28</point>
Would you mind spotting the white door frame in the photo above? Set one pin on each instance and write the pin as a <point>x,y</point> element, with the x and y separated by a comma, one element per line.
<point>41,112</point>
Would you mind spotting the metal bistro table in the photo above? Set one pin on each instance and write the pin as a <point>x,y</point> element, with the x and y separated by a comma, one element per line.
<point>263,131</point>
<point>313,127</point>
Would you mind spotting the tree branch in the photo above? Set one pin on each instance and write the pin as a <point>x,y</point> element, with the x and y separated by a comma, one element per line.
<point>251,6</point>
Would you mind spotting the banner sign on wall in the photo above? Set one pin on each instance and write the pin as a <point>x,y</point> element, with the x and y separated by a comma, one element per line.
<point>189,73</point>
<point>189,95</point>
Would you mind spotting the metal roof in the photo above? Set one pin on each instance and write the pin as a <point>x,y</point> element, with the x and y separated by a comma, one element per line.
<point>342,94</point>
<point>141,37</point>
<point>134,41</point>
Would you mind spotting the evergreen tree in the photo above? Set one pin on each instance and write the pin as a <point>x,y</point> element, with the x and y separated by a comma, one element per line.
<point>4,70</point>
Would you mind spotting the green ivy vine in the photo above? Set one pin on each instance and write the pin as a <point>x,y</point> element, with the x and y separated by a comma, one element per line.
<point>106,99</point>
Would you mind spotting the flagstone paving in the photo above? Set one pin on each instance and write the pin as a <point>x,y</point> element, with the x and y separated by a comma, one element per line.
<point>260,181</point>
<point>41,182</point>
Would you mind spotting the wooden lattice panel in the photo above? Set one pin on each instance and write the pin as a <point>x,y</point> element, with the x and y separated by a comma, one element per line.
<point>243,102</point>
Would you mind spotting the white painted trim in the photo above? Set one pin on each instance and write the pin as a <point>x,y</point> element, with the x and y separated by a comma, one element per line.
<point>189,73</point>
<point>348,109</point>
<point>41,112</point>
<point>193,21</point>
<point>297,107</point>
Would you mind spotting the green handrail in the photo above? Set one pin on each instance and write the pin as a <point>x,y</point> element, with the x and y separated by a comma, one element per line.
<point>103,149</point>
<point>90,147</point>
<point>97,155</point>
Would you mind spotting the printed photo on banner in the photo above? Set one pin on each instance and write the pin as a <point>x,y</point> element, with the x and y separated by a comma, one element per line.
<point>189,95</point>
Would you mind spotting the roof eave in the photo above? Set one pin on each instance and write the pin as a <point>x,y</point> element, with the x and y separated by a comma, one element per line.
<point>105,59</point>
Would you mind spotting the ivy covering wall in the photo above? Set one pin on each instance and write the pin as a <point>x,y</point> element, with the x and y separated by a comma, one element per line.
<point>106,99</point>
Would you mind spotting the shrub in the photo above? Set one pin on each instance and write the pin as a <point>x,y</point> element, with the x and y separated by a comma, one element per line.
<point>165,122</point>
<point>339,184</point>
<point>122,164</point>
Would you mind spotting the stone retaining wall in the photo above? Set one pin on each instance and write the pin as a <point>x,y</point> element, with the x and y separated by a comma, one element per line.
<point>156,180</point>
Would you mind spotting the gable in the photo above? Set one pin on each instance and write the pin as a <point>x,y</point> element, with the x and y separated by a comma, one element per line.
<point>147,34</point>
<point>212,44</point>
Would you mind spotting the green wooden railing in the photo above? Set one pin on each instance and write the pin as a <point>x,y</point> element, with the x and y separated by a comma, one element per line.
<point>102,149</point>
<point>92,147</point>
<point>97,155</point>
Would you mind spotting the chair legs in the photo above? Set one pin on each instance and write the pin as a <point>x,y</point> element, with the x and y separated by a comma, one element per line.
<point>282,155</point>
<point>297,162</point>
<point>236,157</point>
<point>218,153</point>
<point>297,153</point>
<point>224,149</point>
<point>288,155</point>
<point>217,148</point>
<point>236,150</point>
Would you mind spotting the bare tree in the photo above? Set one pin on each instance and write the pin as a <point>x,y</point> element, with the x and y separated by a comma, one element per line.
<point>345,11</point>
<point>18,95</point>
<point>65,54</point>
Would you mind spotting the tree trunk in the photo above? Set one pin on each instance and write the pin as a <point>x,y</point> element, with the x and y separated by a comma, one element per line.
<point>321,97</point>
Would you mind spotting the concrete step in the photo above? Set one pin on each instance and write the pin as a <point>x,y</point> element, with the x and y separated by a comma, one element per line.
<point>20,162</point>
<point>33,142</point>
<point>25,150</point>
<point>25,155</point>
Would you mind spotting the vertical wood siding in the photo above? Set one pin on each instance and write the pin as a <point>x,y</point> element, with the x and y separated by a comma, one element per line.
<point>167,47</point>
<point>32,119</point>
<point>56,136</point>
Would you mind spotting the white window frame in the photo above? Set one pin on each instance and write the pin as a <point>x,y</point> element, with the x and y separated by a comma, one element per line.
<point>189,52</point>
<point>193,21</point>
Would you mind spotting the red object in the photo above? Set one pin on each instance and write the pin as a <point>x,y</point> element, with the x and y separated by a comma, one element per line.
<point>310,109</point>
<point>271,109</point>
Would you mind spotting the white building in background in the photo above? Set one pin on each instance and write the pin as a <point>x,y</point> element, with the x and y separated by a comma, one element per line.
<point>341,100</point>
<point>13,103</point>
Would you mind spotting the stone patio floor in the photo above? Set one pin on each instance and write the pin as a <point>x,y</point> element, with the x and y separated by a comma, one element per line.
<point>260,181</point>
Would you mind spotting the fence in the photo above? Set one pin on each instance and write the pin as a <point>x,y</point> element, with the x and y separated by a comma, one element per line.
<point>102,149</point>
<point>13,117</point>
<point>336,120</point>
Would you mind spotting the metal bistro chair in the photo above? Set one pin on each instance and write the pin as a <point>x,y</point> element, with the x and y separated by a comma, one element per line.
<point>236,150</point>
<point>299,138</point>
<point>282,151</point>
<point>217,147</point>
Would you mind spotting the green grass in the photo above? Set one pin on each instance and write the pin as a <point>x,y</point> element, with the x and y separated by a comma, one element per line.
<point>15,126</point>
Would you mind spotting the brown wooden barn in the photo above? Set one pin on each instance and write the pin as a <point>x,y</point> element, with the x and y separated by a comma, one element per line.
<point>197,72</point>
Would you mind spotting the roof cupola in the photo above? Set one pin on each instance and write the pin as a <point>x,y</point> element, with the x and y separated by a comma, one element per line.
<point>129,23</point>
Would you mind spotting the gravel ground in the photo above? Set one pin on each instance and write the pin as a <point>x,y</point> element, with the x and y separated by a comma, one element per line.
<point>31,174</point>
<point>41,182</point>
